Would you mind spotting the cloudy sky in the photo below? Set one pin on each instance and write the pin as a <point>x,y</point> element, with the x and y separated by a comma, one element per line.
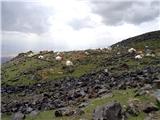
<point>73,24</point>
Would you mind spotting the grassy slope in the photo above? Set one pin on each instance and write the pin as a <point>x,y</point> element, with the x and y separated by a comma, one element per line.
<point>52,69</point>
<point>47,70</point>
<point>13,70</point>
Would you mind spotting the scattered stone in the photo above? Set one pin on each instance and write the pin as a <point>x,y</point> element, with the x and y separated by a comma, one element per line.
<point>79,112</point>
<point>121,86</point>
<point>18,116</point>
<point>157,95</point>
<point>132,110</point>
<point>134,107</point>
<point>84,104</point>
<point>112,111</point>
<point>29,109</point>
<point>147,87</point>
<point>102,91</point>
<point>34,113</point>
<point>150,108</point>
<point>107,95</point>
<point>140,93</point>
<point>153,116</point>
<point>67,111</point>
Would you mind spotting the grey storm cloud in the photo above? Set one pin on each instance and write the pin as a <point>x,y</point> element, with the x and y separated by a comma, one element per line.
<point>133,12</point>
<point>24,17</point>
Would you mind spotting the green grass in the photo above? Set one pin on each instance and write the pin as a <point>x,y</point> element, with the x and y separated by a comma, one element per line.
<point>153,44</point>
<point>79,70</point>
<point>83,69</point>
<point>122,96</point>
<point>6,117</point>
<point>12,71</point>
<point>46,115</point>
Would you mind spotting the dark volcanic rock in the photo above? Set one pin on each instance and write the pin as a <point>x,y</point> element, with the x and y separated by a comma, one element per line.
<point>150,108</point>
<point>112,111</point>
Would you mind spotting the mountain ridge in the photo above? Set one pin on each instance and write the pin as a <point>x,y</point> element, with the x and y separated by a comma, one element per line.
<point>153,35</point>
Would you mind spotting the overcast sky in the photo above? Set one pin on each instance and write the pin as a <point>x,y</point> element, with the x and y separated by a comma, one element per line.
<point>73,24</point>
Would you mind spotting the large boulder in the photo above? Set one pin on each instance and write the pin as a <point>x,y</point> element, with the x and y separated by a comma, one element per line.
<point>63,112</point>
<point>34,113</point>
<point>68,111</point>
<point>112,111</point>
<point>18,116</point>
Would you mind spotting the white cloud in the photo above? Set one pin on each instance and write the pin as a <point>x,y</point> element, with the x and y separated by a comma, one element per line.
<point>72,26</point>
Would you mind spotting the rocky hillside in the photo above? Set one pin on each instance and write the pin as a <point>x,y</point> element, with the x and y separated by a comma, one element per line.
<point>147,37</point>
<point>73,85</point>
